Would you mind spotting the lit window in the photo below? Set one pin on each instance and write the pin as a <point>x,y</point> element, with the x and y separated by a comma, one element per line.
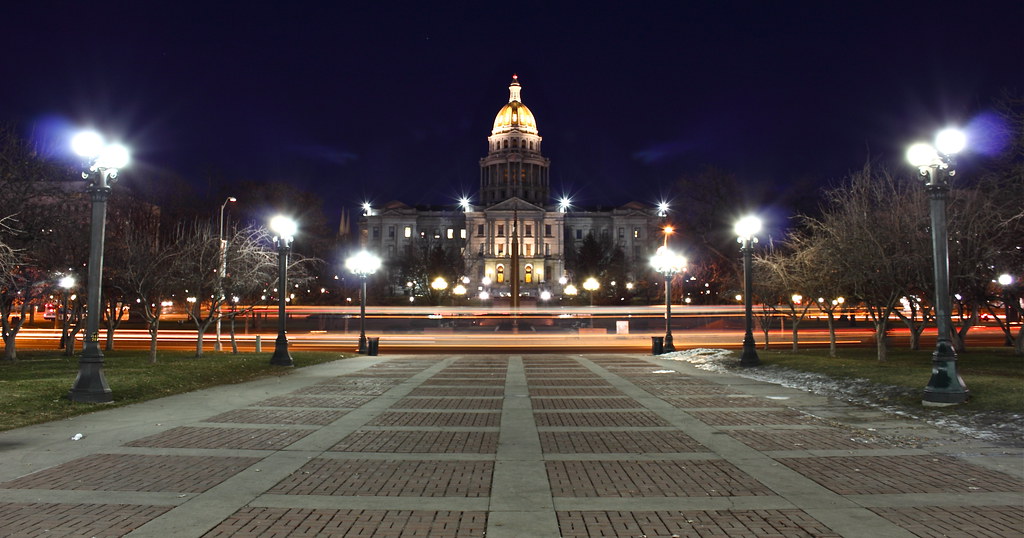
<point>451,233</point>
<point>500,273</point>
<point>528,276</point>
<point>636,233</point>
<point>462,233</point>
<point>529,250</point>
<point>408,231</point>
<point>501,249</point>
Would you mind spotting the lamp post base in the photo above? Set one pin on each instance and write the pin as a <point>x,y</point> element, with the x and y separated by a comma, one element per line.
<point>362,344</point>
<point>749,356</point>
<point>281,356</point>
<point>90,385</point>
<point>945,387</point>
<point>669,346</point>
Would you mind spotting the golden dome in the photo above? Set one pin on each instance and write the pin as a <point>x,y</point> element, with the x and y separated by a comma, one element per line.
<point>514,116</point>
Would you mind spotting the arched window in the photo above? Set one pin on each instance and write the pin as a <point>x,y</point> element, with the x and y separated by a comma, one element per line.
<point>500,274</point>
<point>528,274</point>
<point>506,144</point>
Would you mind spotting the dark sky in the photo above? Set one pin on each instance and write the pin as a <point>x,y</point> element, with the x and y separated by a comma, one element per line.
<point>390,101</point>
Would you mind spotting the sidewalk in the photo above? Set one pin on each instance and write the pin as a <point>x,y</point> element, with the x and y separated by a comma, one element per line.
<point>504,446</point>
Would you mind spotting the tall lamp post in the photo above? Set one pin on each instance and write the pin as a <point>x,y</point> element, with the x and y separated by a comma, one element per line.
<point>1005,280</point>
<point>223,266</point>
<point>936,166</point>
<point>746,231</point>
<point>103,162</point>
<point>362,265</point>
<point>284,229</point>
<point>668,263</point>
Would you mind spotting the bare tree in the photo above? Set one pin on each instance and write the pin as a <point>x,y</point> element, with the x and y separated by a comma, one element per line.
<point>250,259</point>
<point>873,228</point>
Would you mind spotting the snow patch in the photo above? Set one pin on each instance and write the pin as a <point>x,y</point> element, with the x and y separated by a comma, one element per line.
<point>996,427</point>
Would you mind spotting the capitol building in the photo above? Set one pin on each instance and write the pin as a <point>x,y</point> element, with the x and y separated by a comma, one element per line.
<point>516,237</point>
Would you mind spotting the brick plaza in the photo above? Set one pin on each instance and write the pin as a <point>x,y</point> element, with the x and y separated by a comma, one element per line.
<point>504,446</point>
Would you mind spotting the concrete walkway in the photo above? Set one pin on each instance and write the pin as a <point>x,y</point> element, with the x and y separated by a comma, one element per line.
<point>504,446</point>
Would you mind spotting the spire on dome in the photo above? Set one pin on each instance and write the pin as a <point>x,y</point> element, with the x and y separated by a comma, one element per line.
<point>513,89</point>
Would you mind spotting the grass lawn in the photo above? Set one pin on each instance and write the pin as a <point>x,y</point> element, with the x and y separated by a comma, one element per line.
<point>994,376</point>
<point>35,387</point>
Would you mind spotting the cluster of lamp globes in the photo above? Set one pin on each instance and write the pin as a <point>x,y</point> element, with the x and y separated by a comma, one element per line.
<point>101,155</point>
<point>948,142</point>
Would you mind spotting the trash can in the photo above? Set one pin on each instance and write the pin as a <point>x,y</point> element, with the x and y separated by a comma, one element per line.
<point>372,344</point>
<point>657,345</point>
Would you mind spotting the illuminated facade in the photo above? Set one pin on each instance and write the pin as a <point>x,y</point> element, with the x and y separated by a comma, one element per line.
<point>515,208</point>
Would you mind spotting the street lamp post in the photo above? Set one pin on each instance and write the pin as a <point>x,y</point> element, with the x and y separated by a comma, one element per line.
<point>591,285</point>
<point>1005,280</point>
<point>668,264</point>
<point>746,231</point>
<point>103,161</point>
<point>223,266</point>
<point>363,265</point>
<point>66,283</point>
<point>284,229</point>
<point>936,166</point>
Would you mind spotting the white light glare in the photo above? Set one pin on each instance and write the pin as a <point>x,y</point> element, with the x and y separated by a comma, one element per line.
<point>951,141</point>
<point>922,154</point>
<point>87,144</point>
<point>364,263</point>
<point>284,227</point>
<point>748,227</point>
<point>114,156</point>
<point>1005,279</point>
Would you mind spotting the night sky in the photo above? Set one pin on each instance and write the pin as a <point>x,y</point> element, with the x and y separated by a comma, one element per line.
<point>384,101</point>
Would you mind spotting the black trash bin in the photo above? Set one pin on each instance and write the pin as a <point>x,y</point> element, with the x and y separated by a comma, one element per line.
<point>657,345</point>
<point>372,345</point>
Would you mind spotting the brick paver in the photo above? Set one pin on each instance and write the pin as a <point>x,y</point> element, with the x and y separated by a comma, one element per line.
<point>315,401</point>
<point>973,521</point>
<point>585,403</point>
<point>568,382</point>
<point>136,472</point>
<point>237,438</point>
<point>41,519</point>
<point>338,389</point>
<point>313,523</point>
<point>853,475</point>
<point>710,401</point>
<point>683,389</point>
<point>460,382</point>
<point>448,403</point>
<point>619,442</point>
<point>599,419</point>
<point>545,391</point>
<point>428,418</point>
<point>432,441</point>
<point>391,478</point>
<point>755,418</point>
<point>807,439</point>
<point>458,391</point>
<point>705,478</point>
<point>693,524</point>
<point>317,417</point>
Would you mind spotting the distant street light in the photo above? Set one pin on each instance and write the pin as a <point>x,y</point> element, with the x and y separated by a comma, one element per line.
<point>668,263</point>
<point>937,165</point>
<point>223,266</point>
<point>102,166</point>
<point>591,285</point>
<point>571,290</point>
<point>284,230</point>
<point>746,231</point>
<point>364,264</point>
<point>66,283</point>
